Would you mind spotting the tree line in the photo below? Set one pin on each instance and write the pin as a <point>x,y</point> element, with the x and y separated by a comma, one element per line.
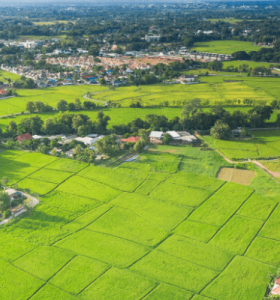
<point>192,118</point>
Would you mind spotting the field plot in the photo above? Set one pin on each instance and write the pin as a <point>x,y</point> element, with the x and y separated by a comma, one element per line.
<point>263,144</point>
<point>15,171</point>
<point>257,207</point>
<point>87,218</point>
<point>124,285</point>
<point>68,280</point>
<point>84,187</point>
<point>25,284</point>
<point>273,222</point>
<point>224,47</point>
<point>114,178</point>
<point>163,214</point>
<point>43,226</point>
<point>176,271</point>
<point>222,204</point>
<point>50,176</point>
<point>9,155</point>
<point>244,273</point>
<point>50,292</point>
<point>44,262</point>
<point>67,165</point>
<point>69,202</point>
<point>117,220</point>
<point>36,160</point>
<point>237,234</point>
<point>180,194</point>
<point>199,253</point>
<point>236,175</point>
<point>12,248</point>
<point>144,230</point>
<point>265,250</point>
<point>103,247</point>
<point>166,292</point>
<point>197,231</point>
<point>37,186</point>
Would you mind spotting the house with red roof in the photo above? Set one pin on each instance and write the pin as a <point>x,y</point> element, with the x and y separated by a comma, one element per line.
<point>3,93</point>
<point>23,137</point>
<point>132,139</point>
<point>276,288</point>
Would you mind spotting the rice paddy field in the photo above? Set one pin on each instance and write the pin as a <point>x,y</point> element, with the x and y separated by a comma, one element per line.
<point>212,90</point>
<point>161,228</point>
<point>263,144</point>
<point>224,47</point>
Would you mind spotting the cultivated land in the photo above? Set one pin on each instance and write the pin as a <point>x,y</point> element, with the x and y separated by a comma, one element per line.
<point>263,144</point>
<point>162,227</point>
<point>224,47</point>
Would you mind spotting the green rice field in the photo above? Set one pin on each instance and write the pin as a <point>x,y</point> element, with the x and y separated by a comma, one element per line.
<point>224,47</point>
<point>263,144</point>
<point>160,228</point>
<point>212,90</point>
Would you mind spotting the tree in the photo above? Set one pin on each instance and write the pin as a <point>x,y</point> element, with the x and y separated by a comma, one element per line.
<point>30,106</point>
<point>220,131</point>
<point>144,135</point>
<point>167,138</point>
<point>53,152</point>
<point>71,106</point>
<point>5,201</point>
<point>62,105</point>
<point>107,145</point>
<point>78,103</point>
<point>4,181</point>
<point>139,146</point>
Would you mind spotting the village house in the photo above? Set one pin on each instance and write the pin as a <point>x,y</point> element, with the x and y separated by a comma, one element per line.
<point>23,137</point>
<point>3,94</point>
<point>132,139</point>
<point>156,137</point>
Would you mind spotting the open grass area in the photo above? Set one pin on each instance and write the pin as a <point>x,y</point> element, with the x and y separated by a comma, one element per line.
<point>224,47</point>
<point>161,228</point>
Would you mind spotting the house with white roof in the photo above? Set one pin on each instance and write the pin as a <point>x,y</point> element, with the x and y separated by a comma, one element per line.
<point>156,137</point>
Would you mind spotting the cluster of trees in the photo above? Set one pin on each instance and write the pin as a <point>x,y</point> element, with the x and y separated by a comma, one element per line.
<point>64,122</point>
<point>26,83</point>
<point>264,54</point>
<point>62,105</point>
<point>192,118</point>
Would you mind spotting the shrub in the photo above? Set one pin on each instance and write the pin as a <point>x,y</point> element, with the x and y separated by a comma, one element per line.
<point>6,214</point>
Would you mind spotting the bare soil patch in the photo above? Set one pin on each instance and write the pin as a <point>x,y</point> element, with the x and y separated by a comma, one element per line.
<point>239,176</point>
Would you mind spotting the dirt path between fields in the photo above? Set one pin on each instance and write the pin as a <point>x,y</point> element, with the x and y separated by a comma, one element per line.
<point>257,163</point>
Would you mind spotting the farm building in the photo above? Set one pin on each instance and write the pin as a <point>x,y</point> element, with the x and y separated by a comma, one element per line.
<point>174,135</point>
<point>89,140</point>
<point>13,194</point>
<point>156,137</point>
<point>132,139</point>
<point>24,137</point>
<point>186,137</point>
